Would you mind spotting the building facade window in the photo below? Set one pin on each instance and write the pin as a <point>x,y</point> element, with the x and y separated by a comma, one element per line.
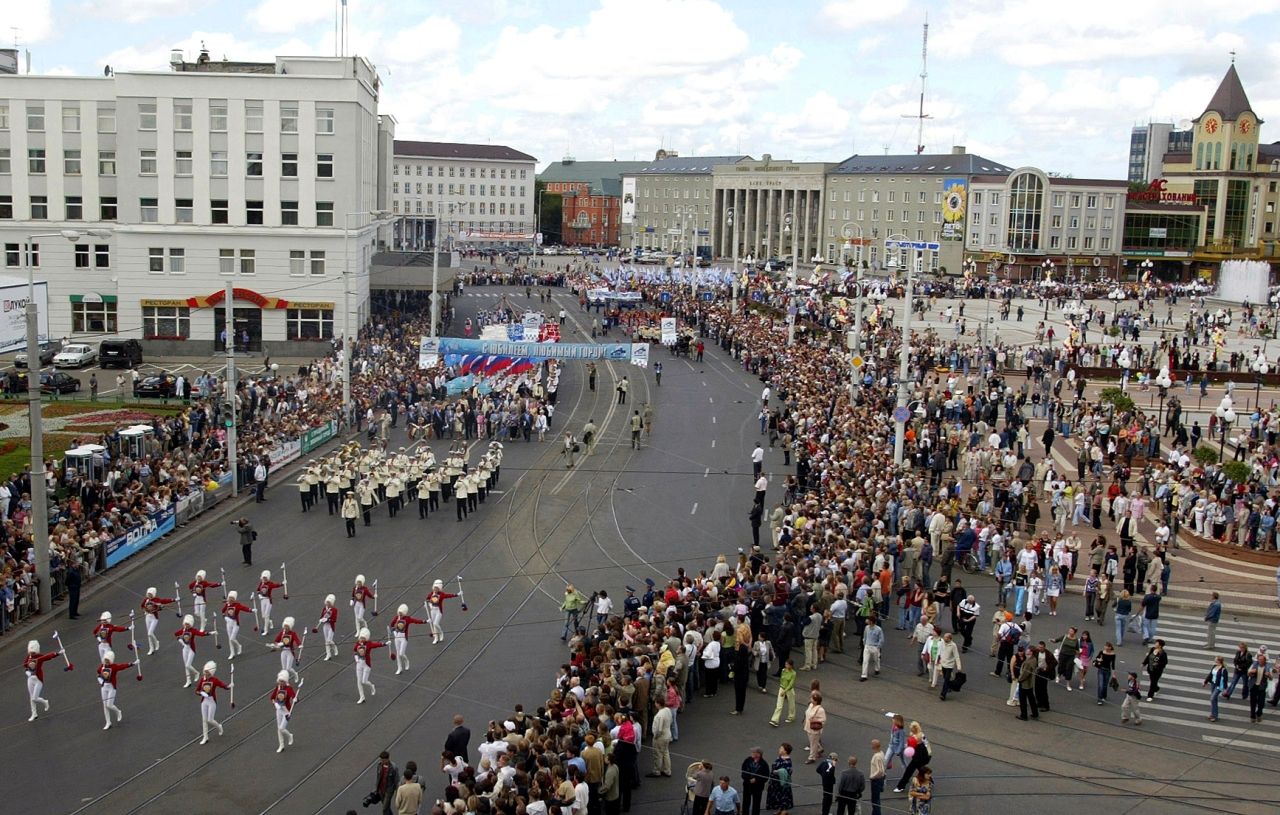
<point>6,167</point>
<point>106,162</point>
<point>184,210</point>
<point>74,206</point>
<point>309,324</point>
<point>253,164</point>
<point>39,207</point>
<point>35,116</point>
<point>166,322</point>
<point>218,115</point>
<point>253,116</point>
<point>147,162</point>
<point>155,260</point>
<point>147,115</point>
<point>297,262</point>
<point>106,117</point>
<point>324,165</point>
<point>324,120</point>
<point>219,212</point>
<point>71,162</point>
<point>182,114</point>
<point>253,212</point>
<point>317,262</point>
<point>108,208</point>
<point>93,318</point>
<point>248,262</point>
<point>182,162</point>
<point>35,161</point>
<point>288,117</point>
<point>226,261</point>
<point>1026,200</point>
<point>150,210</point>
<point>218,163</point>
<point>289,213</point>
<point>289,165</point>
<point>324,213</point>
<point>6,207</point>
<point>177,261</point>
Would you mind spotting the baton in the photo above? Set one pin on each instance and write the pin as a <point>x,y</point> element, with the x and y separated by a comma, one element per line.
<point>63,650</point>
<point>177,594</point>
<point>391,650</point>
<point>375,597</point>
<point>285,580</point>
<point>253,602</point>
<point>303,644</point>
<point>224,583</point>
<point>216,643</point>
<point>133,646</point>
<point>232,687</point>
<point>462,597</point>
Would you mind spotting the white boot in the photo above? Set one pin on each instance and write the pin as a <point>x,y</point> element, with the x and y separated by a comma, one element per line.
<point>290,735</point>
<point>280,741</point>
<point>33,711</point>
<point>218,725</point>
<point>119,714</point>
<point>204,729</point>
<point>44,702</point>
<point>106,713</point>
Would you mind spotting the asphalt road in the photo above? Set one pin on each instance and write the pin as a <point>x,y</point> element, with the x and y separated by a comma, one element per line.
<point>616,518</point>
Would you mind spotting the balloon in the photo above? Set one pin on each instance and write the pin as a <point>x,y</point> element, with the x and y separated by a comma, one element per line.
<point>909,753</point>
<point>911,741</point>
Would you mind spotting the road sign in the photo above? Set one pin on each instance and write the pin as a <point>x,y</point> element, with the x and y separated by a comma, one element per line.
<point>858,362</point>
<point>704,231</point>
<point>901,414</point>
<point>673,231</point>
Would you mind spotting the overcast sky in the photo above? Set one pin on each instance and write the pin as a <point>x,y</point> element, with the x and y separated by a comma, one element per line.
<point>1023,82</point>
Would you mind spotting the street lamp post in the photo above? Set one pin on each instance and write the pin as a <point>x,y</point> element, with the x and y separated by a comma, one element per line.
<point>904,353</point>
<point>1163,381</point>
<point>1045,279</point>
<point>1260,367</point>
<point>39,480</point>
<point>1226,417</point>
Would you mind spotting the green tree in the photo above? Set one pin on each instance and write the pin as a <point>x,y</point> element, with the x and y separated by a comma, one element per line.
<point>552,205</point>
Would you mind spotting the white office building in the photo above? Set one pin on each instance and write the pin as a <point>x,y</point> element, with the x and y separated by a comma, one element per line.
<point>209,174</point>
<point>478,193</point>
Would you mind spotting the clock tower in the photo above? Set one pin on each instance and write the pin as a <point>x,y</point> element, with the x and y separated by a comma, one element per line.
<point>1226,134</point>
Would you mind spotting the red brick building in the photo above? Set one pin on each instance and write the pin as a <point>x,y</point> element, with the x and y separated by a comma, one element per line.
<point>591,195</point>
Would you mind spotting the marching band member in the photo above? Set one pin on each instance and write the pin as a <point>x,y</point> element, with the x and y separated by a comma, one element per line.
<point>231,611</point>
<point>328,623</point>
<point>287,643</point>
<point>103,632</point>
<point>198,588</point>
<point>207,690</point>
<point>400,633</point>
<point>435,609</point>
<point>360,593</point>
<point>151,607</point>
<point>265,586</point>
<point>34,666</point>
<point>363,650</point>
<point>283,696</point>
<point>187,636</point>
<point>107,672</point>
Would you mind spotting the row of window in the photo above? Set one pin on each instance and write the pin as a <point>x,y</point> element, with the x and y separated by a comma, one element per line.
<point>183,210</point>
<point>183,116</point>
<point>183,163</point>
<point>174,322</point>
<point>485,172</point>
<point>1055,242</point>
<point>493,190</point>
<point>1058,200</point>
<point>1056,221</point>
<point>457,209</point>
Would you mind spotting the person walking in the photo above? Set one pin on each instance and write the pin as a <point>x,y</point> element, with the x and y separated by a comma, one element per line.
<point>408,796</point>
<point>386,778</point>
<point>1240,664</point>
<point>1026,679</point>
<point>724,799</point>
<point>815,718</point>
<point>660,740</point>
<point>247,536</point>
<point>1155,662</point>
<point>849,792</point>
<point>757,461</point>
<point>1104,664</point>
<point>570,447</point>
<point>637,424</point>
<point>1259,674</point>
<point>949,663</point>
<point>1211,616</point>
<point>755,776</point>
<point>349,513</point>
<point>779,797</point>
<point>1124,607</point>
<point>1132,706</point>
<point>786,694</point>
<point>572,607</point>
<point>876,773</point>
<point>872,642</point>
<point>1216,682</point>
<point>1151,614</point>
<point>919,759</point>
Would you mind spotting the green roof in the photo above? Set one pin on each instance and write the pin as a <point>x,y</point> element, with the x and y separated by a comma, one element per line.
<point>605,177</point>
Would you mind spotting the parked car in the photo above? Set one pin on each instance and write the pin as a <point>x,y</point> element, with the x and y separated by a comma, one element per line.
<point>119,353</point>
<point>47,353</point>
<point>75,355</point>
<point>50,382</point>
<point>155,387</point>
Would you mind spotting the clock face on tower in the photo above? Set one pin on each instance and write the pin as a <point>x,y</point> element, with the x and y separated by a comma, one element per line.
<point>1211,125</point>
<point>1245,125</point>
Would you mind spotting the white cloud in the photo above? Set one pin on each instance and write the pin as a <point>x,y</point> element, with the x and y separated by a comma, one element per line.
<point>848,14</point>
<point>136,11</point>
<point>33,20</point>
<point>429,39</point>
<point>284,16</point>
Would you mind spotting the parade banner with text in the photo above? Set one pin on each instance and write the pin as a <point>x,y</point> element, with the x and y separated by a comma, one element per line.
<point>158,525</point>
<point>429,350</point>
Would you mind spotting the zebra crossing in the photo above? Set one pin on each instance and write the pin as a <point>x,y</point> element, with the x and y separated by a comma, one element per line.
<point>1184,701</point>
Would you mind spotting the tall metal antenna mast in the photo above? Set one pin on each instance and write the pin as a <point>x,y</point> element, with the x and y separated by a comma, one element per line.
<point>924,75</point>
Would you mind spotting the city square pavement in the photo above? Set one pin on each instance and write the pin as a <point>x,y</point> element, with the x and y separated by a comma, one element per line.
<point>619,516</point>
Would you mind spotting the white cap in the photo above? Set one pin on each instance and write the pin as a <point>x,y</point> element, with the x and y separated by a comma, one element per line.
<point>266,574</point>
<point>105,616</point>
<point>364,634</point>
<point>200,575</point>
<point>188,620</point>
<point>330,599</point>
<point>231,595</point>
<point>288,622</point>
<point>33,647</point>
<point>210,666</point>
<point>151,592</point>
<point>404,609</point>
<point>109,656</point>
<point>439,584</point>
<point>359,578</point>
<point>283,676</point>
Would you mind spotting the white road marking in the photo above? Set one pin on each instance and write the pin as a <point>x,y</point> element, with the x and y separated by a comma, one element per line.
<point>713,419</point>
<point>694,511</point>
<point>713,442</point>
<point>704,383</point>
<point>707,473</point>
<point>711,400</point>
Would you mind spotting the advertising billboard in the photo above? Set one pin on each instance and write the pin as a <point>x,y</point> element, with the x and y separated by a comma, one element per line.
<point>628,200</point>
<point>13,314</point>
<point>955,200</point>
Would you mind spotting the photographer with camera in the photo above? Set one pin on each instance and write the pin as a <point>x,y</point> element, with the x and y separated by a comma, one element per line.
<point>386,779</point>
